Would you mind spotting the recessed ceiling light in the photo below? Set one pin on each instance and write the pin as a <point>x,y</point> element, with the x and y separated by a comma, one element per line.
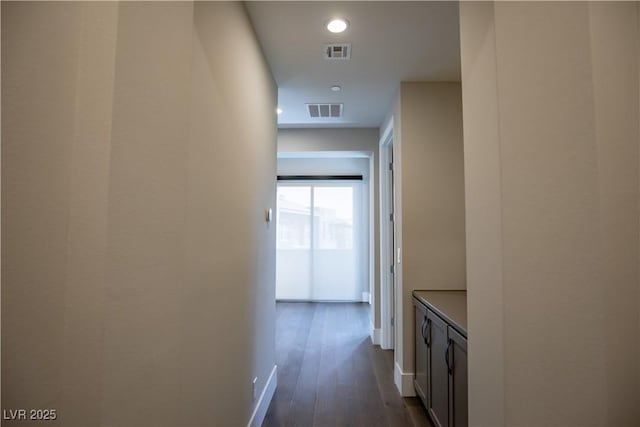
<point>278,110</point>
<point>337,25</point>
<point>336,88</point>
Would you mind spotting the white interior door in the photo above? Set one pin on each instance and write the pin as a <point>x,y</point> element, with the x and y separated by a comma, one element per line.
<point>320,241</point>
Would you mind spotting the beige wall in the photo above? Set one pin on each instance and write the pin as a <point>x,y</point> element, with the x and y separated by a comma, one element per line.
<point>429,185</point>
<point>483,205</point>
<point>328,139</point>
<point>133,197</point>
<point>550,95</point>
<point>344,139</point>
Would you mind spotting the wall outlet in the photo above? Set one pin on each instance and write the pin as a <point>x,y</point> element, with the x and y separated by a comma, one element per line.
<point>253,388</point>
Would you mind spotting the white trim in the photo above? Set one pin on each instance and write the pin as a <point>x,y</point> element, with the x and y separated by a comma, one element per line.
<point>388,131</point>
<point>375,335</point>
<point>386,287</point>
<point>373,303</point>
<point>265,399</point>
<point>404,382</point>
<point>366,297</point>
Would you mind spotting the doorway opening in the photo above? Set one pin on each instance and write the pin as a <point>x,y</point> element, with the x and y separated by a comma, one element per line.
<point>324,221</point>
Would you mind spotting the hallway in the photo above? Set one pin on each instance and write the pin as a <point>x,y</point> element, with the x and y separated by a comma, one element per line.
<point>329,373</point>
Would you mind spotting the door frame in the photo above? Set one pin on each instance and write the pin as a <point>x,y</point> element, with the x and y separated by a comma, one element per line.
<point>387,330</point>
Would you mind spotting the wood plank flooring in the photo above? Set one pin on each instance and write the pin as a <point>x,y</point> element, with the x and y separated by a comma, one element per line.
<point>329,373</point>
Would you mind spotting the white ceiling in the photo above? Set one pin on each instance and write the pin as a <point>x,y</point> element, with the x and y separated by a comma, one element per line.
<point>391,42</point>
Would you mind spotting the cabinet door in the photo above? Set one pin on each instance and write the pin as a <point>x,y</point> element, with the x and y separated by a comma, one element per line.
<point>438,380</point>
<point>420,381</point>
<point>458,415</point>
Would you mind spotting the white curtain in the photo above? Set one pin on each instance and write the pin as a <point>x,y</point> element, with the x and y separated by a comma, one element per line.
<point>321,241</point>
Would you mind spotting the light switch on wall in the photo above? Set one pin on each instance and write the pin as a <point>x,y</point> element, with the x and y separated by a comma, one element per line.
<point>268,215</point>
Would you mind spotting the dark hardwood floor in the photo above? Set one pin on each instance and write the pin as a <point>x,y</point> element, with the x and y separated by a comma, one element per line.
<point>330,374</point>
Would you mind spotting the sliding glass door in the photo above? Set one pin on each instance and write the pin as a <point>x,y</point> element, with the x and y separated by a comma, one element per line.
<point>320,241</point>
<point>293,244</point>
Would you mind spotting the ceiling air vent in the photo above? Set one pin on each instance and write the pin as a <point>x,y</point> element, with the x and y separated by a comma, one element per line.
<point>322,111</point>
<point>337,51</point>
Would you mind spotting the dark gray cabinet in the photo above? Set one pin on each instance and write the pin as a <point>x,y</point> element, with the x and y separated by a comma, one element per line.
<point>458,415</point>
<point>441,366</point>
<point>438,387</point>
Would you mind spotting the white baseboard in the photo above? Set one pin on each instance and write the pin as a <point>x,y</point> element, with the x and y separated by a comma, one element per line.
<point>265,399</point>
<point>375,335</point>
<point>404,382</point>
<point>366,297</point>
